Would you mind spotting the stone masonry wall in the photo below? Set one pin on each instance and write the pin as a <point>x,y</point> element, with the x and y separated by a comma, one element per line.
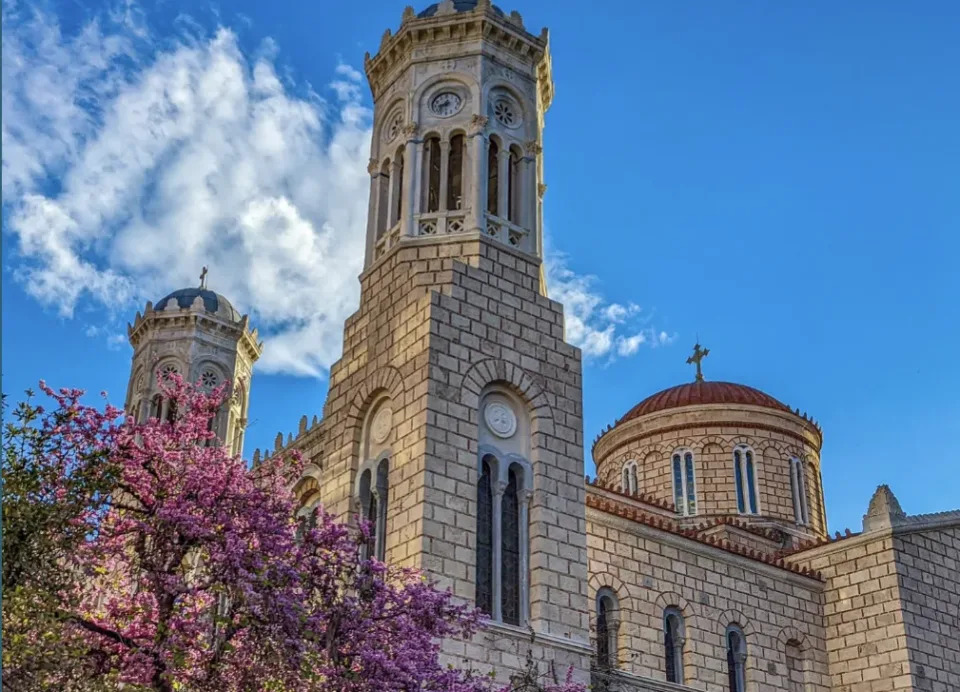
<point>928,566</point>
<point>651,569</point>
<point>439,321</point>
<point>866,636</point>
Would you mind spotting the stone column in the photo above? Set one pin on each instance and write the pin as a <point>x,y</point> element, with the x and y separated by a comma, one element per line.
<point>497,590</point>
<point>373,168</point>
<point>525,497</point>
<point>411,160</point>
<point>528,216</point>
<point>477,211</point>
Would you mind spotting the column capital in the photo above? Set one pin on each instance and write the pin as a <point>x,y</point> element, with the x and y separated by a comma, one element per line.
<point>410,130</point>
<point>541,189</point>
<point>499,488</point>
<point>373,166</point>
<point>525,496</point>
<point>478,123</point>
<point>533,147</point>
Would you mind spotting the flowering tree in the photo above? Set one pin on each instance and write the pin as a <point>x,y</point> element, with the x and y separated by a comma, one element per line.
<point>191,572</point>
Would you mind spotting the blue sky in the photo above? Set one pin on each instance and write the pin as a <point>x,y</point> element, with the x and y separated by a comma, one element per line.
<point>780,179</point>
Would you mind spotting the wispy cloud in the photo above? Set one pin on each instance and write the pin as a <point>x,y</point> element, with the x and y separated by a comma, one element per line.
<point>130,162</point>
<point>126,168</point>
<point>601,328</point>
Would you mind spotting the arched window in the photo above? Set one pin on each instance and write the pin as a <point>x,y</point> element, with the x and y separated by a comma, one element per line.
<point>484,579</point>
<point>493,176</point>
<point>513,185</point>
<point>673,640</point>
<point>455,174</point>
<point>629,478</point>
<point>431,167</point>
<point>736,659</point>
<point>373,507</point>
<point>796,666</point>
<point>398,190</point>
<point>510,552</point>
<point>745,479</point>
<point>383,210</point>
<point>798,488</point>
<point>818,498</point>
<point>608,624</point>
<point>684,483</point>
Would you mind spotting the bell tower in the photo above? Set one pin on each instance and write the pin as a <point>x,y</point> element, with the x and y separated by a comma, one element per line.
<point>460,93</point>
<point>453,420</point>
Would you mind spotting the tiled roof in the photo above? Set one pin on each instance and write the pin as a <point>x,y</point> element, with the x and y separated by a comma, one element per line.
<point>697,393</point>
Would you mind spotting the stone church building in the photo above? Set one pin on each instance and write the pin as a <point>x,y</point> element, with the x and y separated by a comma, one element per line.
<point>699,557</point>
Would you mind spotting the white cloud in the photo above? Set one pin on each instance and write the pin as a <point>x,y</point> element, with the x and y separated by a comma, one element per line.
<point>601,329</point>
<point>126,169</point>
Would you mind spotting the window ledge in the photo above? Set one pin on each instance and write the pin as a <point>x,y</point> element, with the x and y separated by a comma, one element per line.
<point>544,638</point>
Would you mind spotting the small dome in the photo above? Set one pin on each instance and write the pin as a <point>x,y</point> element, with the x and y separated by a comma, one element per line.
<point>697,393</point>
<point>213,302</point>
<point>458,6</point>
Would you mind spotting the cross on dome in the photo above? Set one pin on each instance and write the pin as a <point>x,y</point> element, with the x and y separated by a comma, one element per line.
<point>698,355</point>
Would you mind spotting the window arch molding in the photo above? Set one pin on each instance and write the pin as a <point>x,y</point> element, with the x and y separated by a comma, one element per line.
<point>607,619</point>
<point>683,478</point>
<point>495,87</point>
<point>462,84</point>
<point>745,463</point>
<point>798,490</point>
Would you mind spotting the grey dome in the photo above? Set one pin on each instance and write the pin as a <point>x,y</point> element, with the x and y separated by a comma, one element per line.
<point>458,6</point>
<point>213,302</point>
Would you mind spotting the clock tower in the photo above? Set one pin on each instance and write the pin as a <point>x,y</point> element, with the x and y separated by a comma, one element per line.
<point>453,419</point>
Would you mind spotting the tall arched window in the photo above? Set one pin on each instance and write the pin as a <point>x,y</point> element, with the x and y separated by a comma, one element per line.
<point>484,579</point>
<point>745,478</point>
<point>398,191</point>
<point>493,176</point>
<point>513,185</point>
<point>510,551</point>
<point>607,626</point>
<point>736,659</point>
<point>373,507</point>
<point>673,640</point>
<point>383,203</point>
<point>818,498</point>
<point>629,478</point>
<point>798,488</point>
<point>455,174</point>
<point>684,483</point>
<point>431,168</point>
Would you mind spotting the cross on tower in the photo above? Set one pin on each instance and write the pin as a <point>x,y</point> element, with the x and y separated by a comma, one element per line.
<point>698,355</point>
<point>203,278</point>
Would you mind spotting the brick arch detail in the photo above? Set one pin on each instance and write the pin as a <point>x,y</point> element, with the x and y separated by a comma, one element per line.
<point>304,488</point>
<point>493,370</point>
<point>721,441</point>
<point>735,617</point>
<point>386,379</point>
<point>599,580</point>
<point>790,633</point>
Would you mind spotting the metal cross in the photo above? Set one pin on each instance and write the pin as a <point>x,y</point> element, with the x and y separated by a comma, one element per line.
<point>203,278</point>
<point>698,355</point>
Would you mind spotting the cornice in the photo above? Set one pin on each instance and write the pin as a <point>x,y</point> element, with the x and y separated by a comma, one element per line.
<point>642,428</point>
<point>482,23</point>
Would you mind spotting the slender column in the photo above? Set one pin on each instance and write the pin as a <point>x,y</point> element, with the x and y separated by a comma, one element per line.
<point>372,209</point>
<point>418,206</point>
<point>444,169</point>
<point>498,490</point>
<point>411,160</point>
<point>503,168</point>
<point>525,497</point>
<point>477,197</point>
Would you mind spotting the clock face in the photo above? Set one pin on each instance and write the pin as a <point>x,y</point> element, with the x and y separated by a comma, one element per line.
<point>445,104</point>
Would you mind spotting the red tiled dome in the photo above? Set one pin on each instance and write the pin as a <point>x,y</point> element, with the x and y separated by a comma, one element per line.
<point>695,393</point>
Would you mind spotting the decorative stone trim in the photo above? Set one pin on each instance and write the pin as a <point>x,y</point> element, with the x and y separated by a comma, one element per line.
<point>524,636</point>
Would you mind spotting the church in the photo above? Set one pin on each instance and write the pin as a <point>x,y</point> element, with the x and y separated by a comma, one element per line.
<point>697,559</point>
